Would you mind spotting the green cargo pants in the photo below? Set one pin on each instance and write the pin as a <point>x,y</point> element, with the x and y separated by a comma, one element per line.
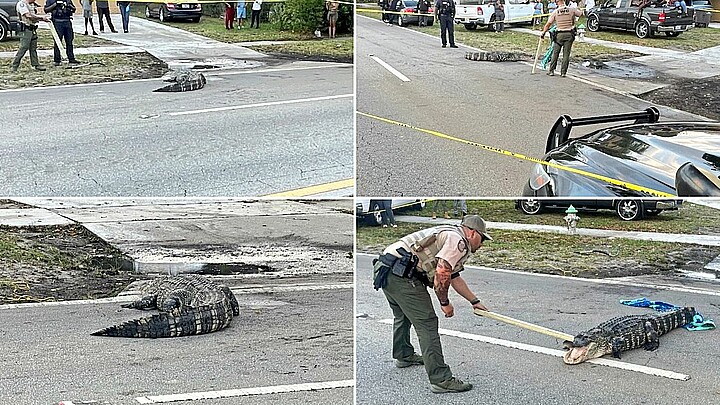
<point>563,40</point>
<point>28,42</point>
<point>411,305</point>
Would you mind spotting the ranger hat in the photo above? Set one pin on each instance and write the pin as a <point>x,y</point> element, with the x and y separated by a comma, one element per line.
<point>476,223</point>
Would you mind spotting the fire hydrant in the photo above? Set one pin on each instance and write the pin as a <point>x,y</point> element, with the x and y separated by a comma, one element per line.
<point>571,219</point>
<point>581,32</point>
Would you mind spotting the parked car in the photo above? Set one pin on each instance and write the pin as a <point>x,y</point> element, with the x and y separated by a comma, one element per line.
<point>188,10</point>
<point>676,158</point>
<point>702,13</point>
<point>368,209</point>
<point>410,6</point>
<point>474,13</point>
<point>654,19</point>
<point>626,209</point>
<point>8,19</point>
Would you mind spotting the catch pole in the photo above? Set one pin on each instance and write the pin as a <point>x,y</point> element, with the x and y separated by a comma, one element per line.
<point>56,37</point>
<point>523,324</point>
<point>537,54</point>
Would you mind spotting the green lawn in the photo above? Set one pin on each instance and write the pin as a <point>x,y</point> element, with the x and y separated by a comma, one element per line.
<point>45,41</point>
<point>340,49</point>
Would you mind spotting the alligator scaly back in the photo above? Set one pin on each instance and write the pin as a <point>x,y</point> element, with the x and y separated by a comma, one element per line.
<point>188,304</point>
<point>625,333</point>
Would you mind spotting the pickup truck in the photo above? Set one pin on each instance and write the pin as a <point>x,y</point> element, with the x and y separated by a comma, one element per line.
<point>653,19</point>
<point>474,13</point>
<point>8,18</point>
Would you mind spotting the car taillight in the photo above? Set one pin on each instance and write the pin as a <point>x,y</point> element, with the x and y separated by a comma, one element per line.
<point>480,11</point>
<point>431,10</point>
<point>539,178</point>
<point>661,17</point>
<point>170,5</point>
<point>409,10</point>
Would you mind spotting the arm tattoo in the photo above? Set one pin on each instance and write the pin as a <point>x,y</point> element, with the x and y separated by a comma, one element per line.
<point>442,280</point>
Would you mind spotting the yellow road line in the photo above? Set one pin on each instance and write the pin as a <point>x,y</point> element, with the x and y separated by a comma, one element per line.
<point>316,189</point>
<point>629,186</point>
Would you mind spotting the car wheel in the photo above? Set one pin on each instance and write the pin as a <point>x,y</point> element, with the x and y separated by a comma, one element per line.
<point>491,24</point>
<point>375,217</point>
<point>147,12</point>
<point>653,212</point>
<point>642,29</point>
<point>629,210</point>
<point>401,21</point>
<point>470,27</point>
<point>593,23</point>
<point>4,30</point>
<point>162,14</point>
<point>672,34</point>
<point>196,20</point>
<point>530,207</point>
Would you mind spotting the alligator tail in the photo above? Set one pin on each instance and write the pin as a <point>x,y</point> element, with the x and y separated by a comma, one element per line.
<point>675,319</point>
<point>193,321</point>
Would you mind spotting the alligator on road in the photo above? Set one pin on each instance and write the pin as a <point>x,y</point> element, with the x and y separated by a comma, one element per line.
<point>188,304</point>
<point>183,80</point>
<point>625,333</point>
<point>494,56</point>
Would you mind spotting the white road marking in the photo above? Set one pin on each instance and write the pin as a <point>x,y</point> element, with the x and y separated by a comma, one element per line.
<point>613,281</point>
<point>277,389</point>
<point>558,353</point>
<point>267,104</point>
<point>390,69</point>
<point>237,290</point>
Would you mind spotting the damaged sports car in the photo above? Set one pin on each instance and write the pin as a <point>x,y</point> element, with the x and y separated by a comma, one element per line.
<point>641,159</point>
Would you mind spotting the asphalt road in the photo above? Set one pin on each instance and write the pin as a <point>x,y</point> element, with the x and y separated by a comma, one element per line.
<point>500,105</point>
<point>250,132</point>
<point>503,375</point>
<point>283,338</point>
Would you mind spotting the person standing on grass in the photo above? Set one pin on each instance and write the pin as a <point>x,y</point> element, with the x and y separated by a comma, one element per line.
<point>61,12</point>
<point>241,13</point>
<point>229,15</point>
<point>255,17</point>
<point>27,31</point>
<point>103,9</point>
<point>332,7</point>
<point>88,15</point>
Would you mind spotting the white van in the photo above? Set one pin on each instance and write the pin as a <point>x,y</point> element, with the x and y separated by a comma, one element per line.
<point>474,13</point>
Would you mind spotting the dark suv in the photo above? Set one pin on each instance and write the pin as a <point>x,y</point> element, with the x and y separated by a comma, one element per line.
<point>8,18</point>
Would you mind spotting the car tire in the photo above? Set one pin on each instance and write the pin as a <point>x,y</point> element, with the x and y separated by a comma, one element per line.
<point>147,11</point>
<point>491,24</point>
<point>375,218</point>
<point>593,23</point>
<point>642,29</point>
<point>470,26</point>
<point>672,34</point>
<point>196,20</point>
<point>162,14</point>
<point>4,30</point>
<point>629,210</point>
<point>401,21</point>
<point>530,207</point>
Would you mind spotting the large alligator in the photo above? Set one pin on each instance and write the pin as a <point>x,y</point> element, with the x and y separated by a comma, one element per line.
<point>188,304</point>
<point>183,80</point>
<point>625,333</point>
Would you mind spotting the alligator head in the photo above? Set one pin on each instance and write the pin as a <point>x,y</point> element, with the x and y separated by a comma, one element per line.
<point>585,346</point>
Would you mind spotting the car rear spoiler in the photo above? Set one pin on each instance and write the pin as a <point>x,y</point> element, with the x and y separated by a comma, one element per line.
<point>560,132</point>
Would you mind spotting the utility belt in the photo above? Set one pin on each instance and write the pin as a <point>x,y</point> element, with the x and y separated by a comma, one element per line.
<point>404,266</point>
<point>26,27</point>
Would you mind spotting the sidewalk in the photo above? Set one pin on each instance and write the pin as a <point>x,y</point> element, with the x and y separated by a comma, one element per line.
<point>707,240</point>
<point>179,235</point>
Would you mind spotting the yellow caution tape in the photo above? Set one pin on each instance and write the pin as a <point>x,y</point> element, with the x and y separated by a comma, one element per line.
<point>629,186</point>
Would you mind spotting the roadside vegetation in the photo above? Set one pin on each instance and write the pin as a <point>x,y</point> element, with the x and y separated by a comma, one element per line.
<point>572,255</point>
<point>45,41</point>
<point>54,263</point>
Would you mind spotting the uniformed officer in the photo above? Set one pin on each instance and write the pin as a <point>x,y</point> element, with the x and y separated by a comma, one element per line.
<point>27,11</point>
<point>430,257</point>
<point>61,12</point>
<point>564,17</point>
<point>446,15</point>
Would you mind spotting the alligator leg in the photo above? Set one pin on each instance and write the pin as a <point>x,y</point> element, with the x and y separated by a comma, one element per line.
<point>652,341</point>
<point>144,303</point>
<point>172,303</point>
<point>617,346</point>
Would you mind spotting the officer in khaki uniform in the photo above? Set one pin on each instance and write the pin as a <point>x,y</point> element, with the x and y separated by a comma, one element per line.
<point>27,11</point>
<point>564,16</point>
<point>430,257</point>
